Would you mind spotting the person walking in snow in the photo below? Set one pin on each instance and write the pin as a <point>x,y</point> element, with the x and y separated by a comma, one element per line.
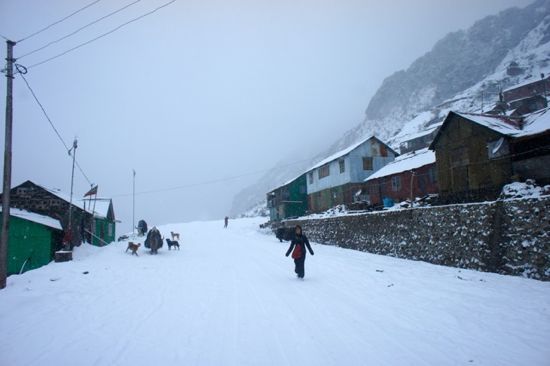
<point>298,249</point>
<point>226,222</point>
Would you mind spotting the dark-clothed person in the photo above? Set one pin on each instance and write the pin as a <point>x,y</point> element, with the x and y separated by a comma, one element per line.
<point>298,247</point>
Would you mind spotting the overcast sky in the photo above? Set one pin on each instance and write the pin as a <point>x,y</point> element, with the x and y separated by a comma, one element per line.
<point>204,90</point>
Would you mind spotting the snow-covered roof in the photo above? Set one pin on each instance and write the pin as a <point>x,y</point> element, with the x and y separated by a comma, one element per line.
<point>341,153</point>
<point>532,124</point>
<point>99,206</point>
<point>286,183</point>
<point>422,133</point>
<point>36,218</point>
<point>404,163</point>
<point>533,80</point>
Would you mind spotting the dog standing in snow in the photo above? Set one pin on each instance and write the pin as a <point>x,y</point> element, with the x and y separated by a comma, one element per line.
<point>175,236</point>
<point>172,243</point>
<point>133,247</point>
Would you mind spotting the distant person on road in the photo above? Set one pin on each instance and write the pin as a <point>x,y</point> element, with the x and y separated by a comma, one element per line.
<point>298,249</point>
<point>226,222</point>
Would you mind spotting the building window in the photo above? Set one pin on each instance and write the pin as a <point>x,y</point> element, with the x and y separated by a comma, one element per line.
<point>310,178</point>
<point>342,164</point>
<point>497,148</point>
<point>324,171</point>
<point>367,163</point>
<point>303,190</point>
<point>396,183</point>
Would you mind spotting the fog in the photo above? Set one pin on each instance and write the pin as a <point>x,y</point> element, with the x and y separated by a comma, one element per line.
<point>202,97</point>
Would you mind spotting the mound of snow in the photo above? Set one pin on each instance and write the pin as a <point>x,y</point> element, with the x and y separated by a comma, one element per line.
<point>527,189</point>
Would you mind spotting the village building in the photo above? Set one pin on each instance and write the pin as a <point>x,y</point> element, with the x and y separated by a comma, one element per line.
<point>409,176</point>
<point>288,200</point>
<point>54,203</point>
<point>32,240</point>
<point>103,229</point>
<point>477,154</point>
<point>336,179</point>
<point>527,89</point>
<point>419,140</point>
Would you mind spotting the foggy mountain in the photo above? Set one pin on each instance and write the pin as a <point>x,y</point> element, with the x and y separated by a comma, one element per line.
<point>464,71</point>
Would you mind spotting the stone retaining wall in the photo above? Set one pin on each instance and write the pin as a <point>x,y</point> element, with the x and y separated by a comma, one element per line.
<point>509,237</point>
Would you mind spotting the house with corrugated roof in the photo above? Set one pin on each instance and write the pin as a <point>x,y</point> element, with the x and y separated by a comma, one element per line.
<point>334,180</point>
<point>409,176</point>
<point>477,154</point>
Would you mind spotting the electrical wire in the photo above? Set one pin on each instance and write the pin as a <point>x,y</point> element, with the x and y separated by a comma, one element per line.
<point>102,35</point>
<point>21,72</point>
<point>209,182</point>
<point>6,38</point>
<point>79,29</point>
<point>58,21</point>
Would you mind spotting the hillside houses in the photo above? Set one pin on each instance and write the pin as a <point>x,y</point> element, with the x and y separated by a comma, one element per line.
<point>477,154</point>
<point>336,179</point>
<point>408,176</point>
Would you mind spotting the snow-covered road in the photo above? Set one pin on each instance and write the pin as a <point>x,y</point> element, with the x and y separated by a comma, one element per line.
<point>229,297</point>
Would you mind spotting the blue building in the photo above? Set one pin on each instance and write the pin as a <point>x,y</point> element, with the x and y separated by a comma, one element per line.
<point>337,179</point>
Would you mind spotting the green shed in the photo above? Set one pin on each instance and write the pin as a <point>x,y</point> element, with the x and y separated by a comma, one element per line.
<point>32,240</point>
<point>288,200</point>
<point>104,223</point>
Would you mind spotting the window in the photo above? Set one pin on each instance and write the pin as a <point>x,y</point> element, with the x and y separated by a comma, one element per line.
<point>497,148</point>
<point>396,183</point>
<point>342,164</point>
<point>367,163</point>
<point>303,190</point>
<point>324,171</point>
<point>310,178</point>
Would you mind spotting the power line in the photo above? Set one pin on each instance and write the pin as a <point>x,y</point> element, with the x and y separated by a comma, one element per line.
<point>102,35</point>
<point>59,21</point>
<point>214,181</point>
<point>21,72</point>
<point>79,29</point>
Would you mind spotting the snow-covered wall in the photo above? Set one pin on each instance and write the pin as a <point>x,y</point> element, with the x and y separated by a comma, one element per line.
<point>508,237</point>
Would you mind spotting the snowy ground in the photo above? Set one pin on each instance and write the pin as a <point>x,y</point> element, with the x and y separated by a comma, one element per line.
<point>229,297</point>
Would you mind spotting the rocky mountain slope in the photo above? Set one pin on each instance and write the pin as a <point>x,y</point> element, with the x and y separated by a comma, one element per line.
<point>464,71</point>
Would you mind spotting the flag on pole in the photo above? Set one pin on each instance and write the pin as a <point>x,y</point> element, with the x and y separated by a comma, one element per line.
<point>91,192</point>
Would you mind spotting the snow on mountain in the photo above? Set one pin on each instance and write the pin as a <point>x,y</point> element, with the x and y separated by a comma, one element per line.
<point>464,71</point>
<point>230,297</point>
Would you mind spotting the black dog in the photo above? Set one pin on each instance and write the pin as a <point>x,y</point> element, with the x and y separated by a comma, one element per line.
<point>172,243</point>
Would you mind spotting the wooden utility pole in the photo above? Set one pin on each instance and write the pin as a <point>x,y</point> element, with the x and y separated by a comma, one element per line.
<point>7,167</point>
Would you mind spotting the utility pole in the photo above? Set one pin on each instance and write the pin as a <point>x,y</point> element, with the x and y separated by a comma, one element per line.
<point>7,167</point>
<point>70,229</point>
<point>134,204</point>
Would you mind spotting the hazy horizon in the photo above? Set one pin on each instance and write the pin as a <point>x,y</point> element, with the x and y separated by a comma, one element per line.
<point>202,91</point>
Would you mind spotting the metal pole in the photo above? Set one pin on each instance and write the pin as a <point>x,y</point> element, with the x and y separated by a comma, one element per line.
<point>134,204</point>
<point>75,145</point>
<point>7,167</point>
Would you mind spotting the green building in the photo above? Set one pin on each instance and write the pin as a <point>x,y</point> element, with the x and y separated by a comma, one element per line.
<point>288,200</point>
<point>104,223</point>
<point>32,240</point>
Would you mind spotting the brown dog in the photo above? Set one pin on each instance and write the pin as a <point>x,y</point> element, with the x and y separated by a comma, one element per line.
<point>133,247</point>
<point>175,236</point>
